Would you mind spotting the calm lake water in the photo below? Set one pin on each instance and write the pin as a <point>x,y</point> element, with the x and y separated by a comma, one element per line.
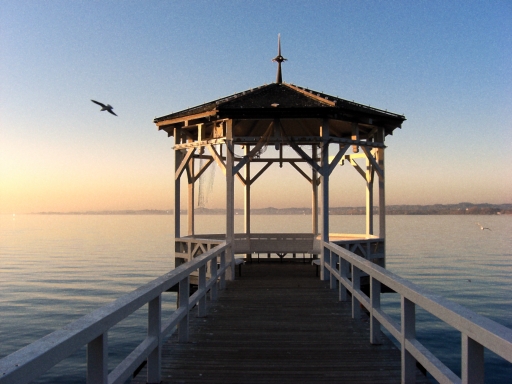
<point>55,269</point>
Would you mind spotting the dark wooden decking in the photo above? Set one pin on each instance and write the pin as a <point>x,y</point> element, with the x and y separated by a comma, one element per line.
<point>279,323</point>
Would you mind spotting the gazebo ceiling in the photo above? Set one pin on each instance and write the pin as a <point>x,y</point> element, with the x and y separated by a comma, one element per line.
<point>298,109</point>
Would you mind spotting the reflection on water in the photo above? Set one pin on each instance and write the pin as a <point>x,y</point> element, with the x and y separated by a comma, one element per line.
<point>55,269</point>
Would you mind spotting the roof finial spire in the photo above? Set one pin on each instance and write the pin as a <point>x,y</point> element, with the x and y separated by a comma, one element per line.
<point>279,59</point>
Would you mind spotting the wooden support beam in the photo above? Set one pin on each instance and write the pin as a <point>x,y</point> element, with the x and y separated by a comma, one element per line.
<point>203,169</point>
<point>217,158</point>
<point>183,163</point>
<point>260,172</point>
<point>305,157</point>
<point>301,172</point>
<point>355,136</point>
<point>337,158</point>
<point>358,168</point>
<point>372,160</point>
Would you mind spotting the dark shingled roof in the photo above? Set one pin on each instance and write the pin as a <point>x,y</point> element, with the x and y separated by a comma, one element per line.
<point>286,101</point>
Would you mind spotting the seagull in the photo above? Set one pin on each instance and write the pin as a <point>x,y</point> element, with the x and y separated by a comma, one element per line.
<point>104,107</point>
<point>482,227</point>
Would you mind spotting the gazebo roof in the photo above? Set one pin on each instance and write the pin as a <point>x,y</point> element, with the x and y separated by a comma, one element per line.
<point>281,101</point>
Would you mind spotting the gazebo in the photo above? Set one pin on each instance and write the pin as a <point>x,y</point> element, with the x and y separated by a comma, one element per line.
<point>279,115</point>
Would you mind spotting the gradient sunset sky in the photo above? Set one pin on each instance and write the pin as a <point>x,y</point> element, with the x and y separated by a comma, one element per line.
<point>445,65</point>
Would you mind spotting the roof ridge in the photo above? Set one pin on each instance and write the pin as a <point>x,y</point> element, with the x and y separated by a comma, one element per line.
<point>318,96</point>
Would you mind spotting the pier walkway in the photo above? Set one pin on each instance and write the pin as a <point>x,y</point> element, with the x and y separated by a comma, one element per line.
<point>279,323</point>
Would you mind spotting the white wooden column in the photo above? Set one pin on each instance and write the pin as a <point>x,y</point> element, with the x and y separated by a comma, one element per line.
<point>382,195</point>
<point>177,193</point>
<point>230,201</point>
<point>369,198</point>
<point>247,197</point>
<point>324,160</point>
<point>191,196</point>
<point>314,183</point>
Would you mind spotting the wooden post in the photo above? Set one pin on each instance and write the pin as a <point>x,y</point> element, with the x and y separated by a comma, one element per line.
<point>154,325</point>
<point>369,198</point>
<point>314,203</point>
<point>472,361</point>
<point>97,360</point>
<point>177,194</point>
<point>183,297</point>
<point>408,321</point>
<point>230,201</point>
<point>247,198</point>
<point>382,195</point>
<point>375,306</point>
<point>191,195</point>
<point>324,273</point>
<point>356,285</point>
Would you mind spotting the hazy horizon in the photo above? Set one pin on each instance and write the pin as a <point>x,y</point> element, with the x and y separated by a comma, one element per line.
<point>444,65</point>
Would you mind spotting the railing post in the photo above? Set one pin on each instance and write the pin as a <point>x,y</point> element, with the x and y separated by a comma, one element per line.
<point>356,285</point>
<point>408,320</point>
<point>201,308</point>
<point>97,360</point>
<point>154,325</point>
<point>213,275</point>
<point>332,264</point>
<point>344,276</point>
<point>472,361</point>
<point>223,274</point>
<point>326,259</point>
<point>375,306</point>
<point>183,302</point>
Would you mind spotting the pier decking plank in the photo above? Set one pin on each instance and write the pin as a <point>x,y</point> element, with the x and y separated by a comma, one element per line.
<point>279,323</point>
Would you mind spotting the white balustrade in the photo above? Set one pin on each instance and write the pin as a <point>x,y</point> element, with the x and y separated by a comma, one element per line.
<point>30,362</point>
<point>477,332</point>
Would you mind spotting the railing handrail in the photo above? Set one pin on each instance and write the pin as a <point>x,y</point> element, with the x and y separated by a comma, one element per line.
<point>482,330</point>
<point>32,361</point>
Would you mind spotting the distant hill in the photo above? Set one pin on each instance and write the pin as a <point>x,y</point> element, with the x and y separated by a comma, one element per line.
<point>436,209</point>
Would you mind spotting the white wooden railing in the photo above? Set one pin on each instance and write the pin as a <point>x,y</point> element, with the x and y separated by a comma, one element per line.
<point>477,332</point>
<point>29,363</point>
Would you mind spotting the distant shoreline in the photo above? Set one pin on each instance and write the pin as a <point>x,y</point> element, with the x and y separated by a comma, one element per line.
<point>436,209</point>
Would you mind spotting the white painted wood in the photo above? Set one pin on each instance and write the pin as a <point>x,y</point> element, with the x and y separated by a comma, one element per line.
<point>201,306</point>
<point>176,185</point>
<point>355,136</point>
<point>356,286</point>
<point>314,197</point>
<point>247,193</point>
<point>369,197</point>
<point>408,332</point>
<point>477,331</point>
<point>154,360</point>
<point>191,198</point>
<point>30,362</point>
<point>97,360</point>
<point>375,332</point>
<point>472,361</point>
<point>324,163</point>
<point>183,301</point>
<point>230,200</point>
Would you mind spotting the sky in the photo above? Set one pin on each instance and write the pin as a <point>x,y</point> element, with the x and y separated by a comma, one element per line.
<point>445,65</point>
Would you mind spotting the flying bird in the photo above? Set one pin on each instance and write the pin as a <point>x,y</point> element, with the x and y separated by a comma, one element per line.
<point>482,227</point>
<point>104,107</point>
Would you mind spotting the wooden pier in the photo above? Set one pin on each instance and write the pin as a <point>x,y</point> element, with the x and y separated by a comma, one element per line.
<point>279,323</point>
